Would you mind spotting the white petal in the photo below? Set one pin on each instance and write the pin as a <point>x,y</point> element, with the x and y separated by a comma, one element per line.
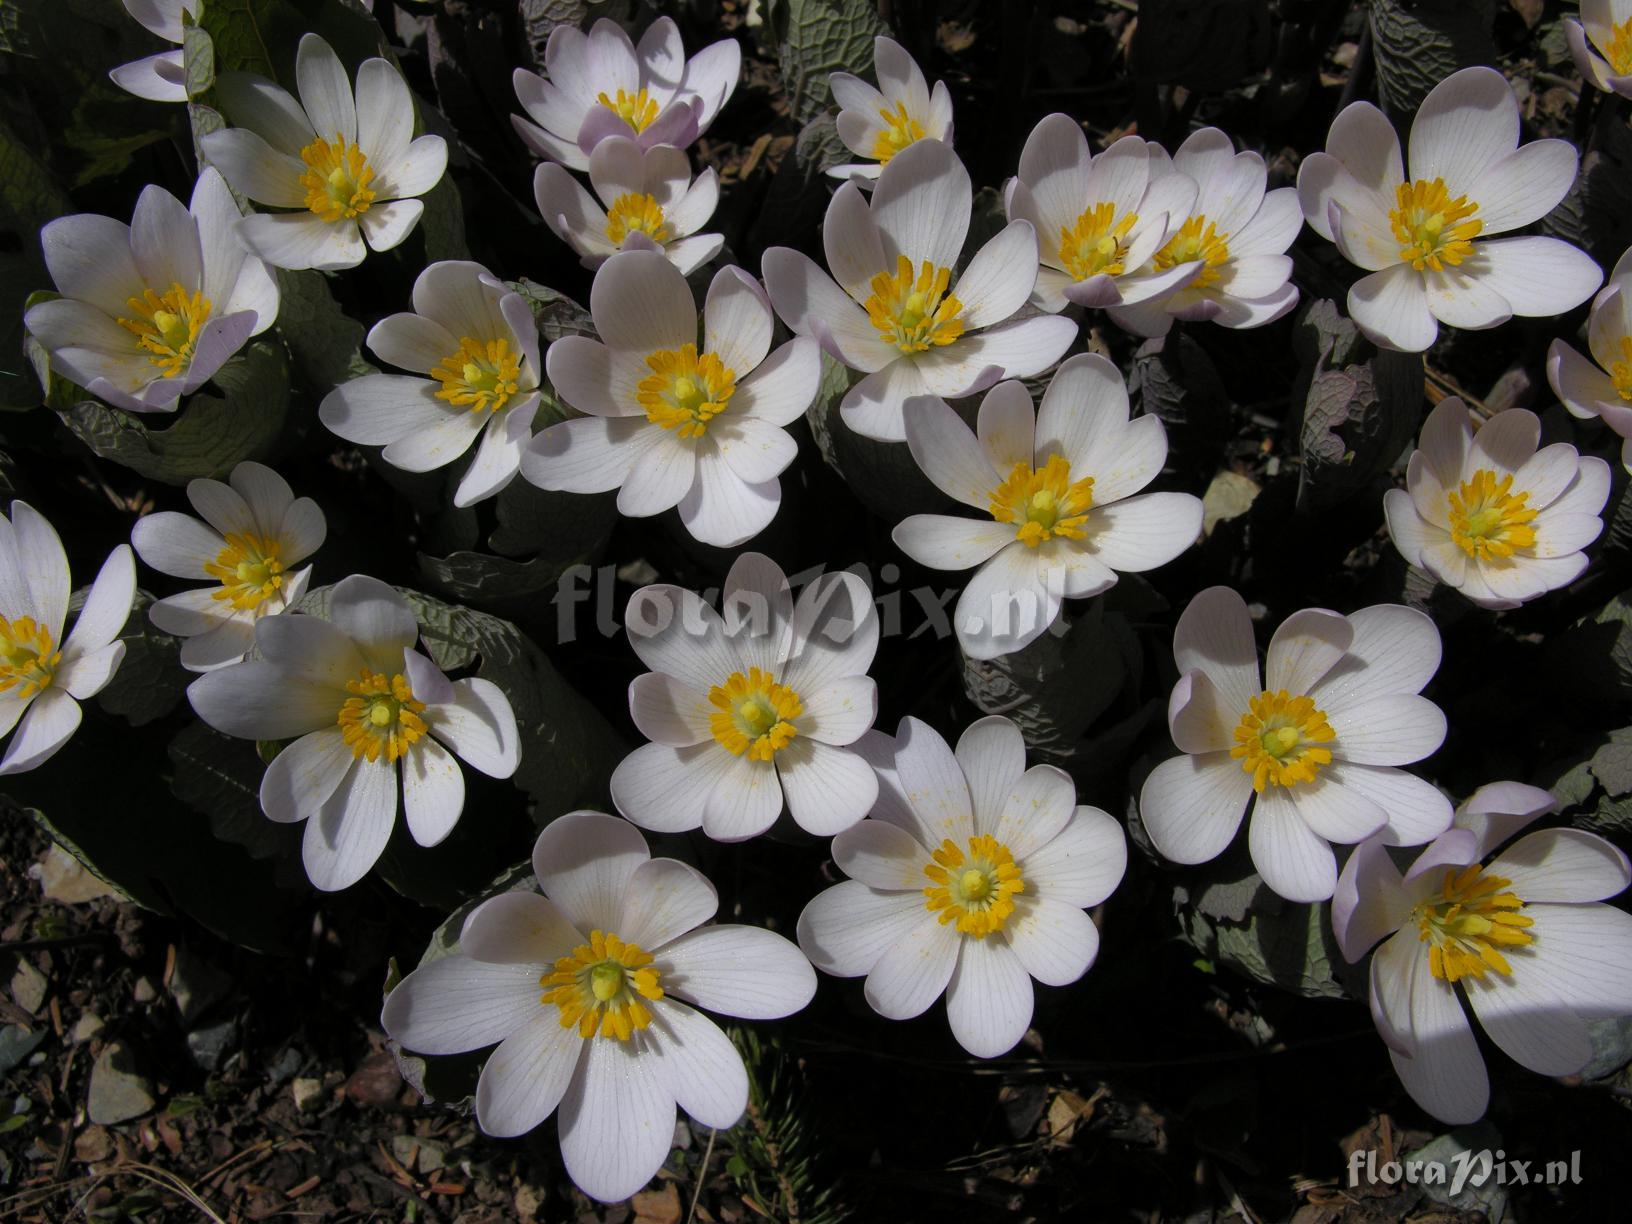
<point>641,304</point>
<point>1416,811</point>
<point>1055,942</point>
<point>847,928</point>
<point>1370,901</point>
<point>738,971</point>
<point>665,789</point>
<point>721,507</point>
<point>666,898</point>
<point>1563,865</point>
<point>480,726</point>
<point>302,240</point>
<point>827,788</point>
<point>616,1120</point>
<point>1391,308</point>
<point>524,1079</point>
<point>992,754</point>
<point>882,856</point>
<point>1305,647</point>
<point>305,775</point>
<point>744,803</point>
<point>921,205</point>
<point>325,91</point>
<point>1525,185</point>
<point>1391,730</point>
<point>1445,1074</point>
<point>1034,812</point>
<point>946,450</point>
<point>1295,862</point>
<point>1335,812</point>
<point>584,862</point>
<point>456,1004</point>
<point>347,835</point>
<point>1009,603</point>
<point>1145,531</point>
<point>374,616</point>
<point>934,784</point>
<point>1083,864</point>
<point>46,725</point>
<point>835,632</point>
<point>1192,805</point>
<point>518,928</point>
<point>942,542</point>
<point>107,606</point>
<point>433,792</point>
<point>88,672</point>
<point>1395,649</point>
<point>698,1064</point>
<point>1468,122</point>
<point>737,320</point>
<point>1537,276</point>
<point>914,969</point>
<point>256,700</point>
<point>988,1000</point>
<point>1214,635</point>
<point>999,277</point>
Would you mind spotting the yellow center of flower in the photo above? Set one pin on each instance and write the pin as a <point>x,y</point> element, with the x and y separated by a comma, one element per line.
<point>1433,229</point>
<point>974,890</point>
<point>1279,740</point>
<point>27,662</point>
<point>1095,245</point>
<point>166,326</point>
<point>248,570</point>
<point>596,987</point>
<point>1620,372</point>
<point>684,391</point>
<point>1468,922</point>
<point>1197,239</point>
<point>1488,519</point>
<point>753,714</point>
<point>1043,502</point>
<point>914,314</point>
<point>479,376</point>
<point>383,717</point>
<point>900,130</point>
<point>632,211</point>
<point>337,179</point>
<point>1619,51</point>
<point>638,109</point>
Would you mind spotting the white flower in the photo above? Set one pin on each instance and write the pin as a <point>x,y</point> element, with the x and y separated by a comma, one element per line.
<point>1236,230</point>
<point>161,77</point>
<point>1099,220</point>
<point>648,203</point>
<point>149,311</point>
<point>1059,489</point>
<point>1601,44</point>
<point>254,533</point>
<point>586,991</point>
<point>347,162</point>
<point>1317,744</point>
<point>1522,938</point>
<point>671,422</point>
<point>43,678</point>
<point>600,84</point>
<point>889,308</point>
<point>1489,514</point>
<point>877,124</point>
<point>751,708</point>
<point>970,878</point>
<point>475,345</point>
<point>1416,236</point>
<point>357,699</point>
<point>1603,390</point>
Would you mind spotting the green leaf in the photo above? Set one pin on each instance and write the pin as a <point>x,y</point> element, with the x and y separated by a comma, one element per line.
<point>1291,947</point>
<point>325,345</point>
<point>29,197</point>
<point>150,679</point>
<point>220,778</point>
<point>197,56</point>
<point>1418,43</point>
<point>819,37</point>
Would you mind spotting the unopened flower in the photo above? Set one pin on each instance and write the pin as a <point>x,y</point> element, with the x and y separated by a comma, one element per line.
<point>1099,220</point>
<point>1489,514</point>
<point>890,308</point>
<point>1061,489</point>
<point>161,77</point>
<point>671,420</point>
<point>1604,389</point>
<point>648,202</point>
<point>346,161</point>
<point>1236,231</point>
<point>1422,238</point>
<point>365,710</point>
<point>970,878</point>
<point>1601,44</point>
<point>42,677</point>
<point>1314,749</point>
<point>878,123</point>
<point>600,84</point>
<point>473,346</point>
<point>588,991</point>
<point>1523,938</point>
<point>150,311</point>
<point>255,532</point>
<point>751,709</point>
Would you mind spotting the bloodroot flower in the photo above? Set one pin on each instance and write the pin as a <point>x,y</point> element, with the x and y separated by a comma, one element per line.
<point>1314,749</point>
<point>346,160</point>
<point>359,701</point>
<point>43,678</point>
<point>877,124</point>
<point>1522,938</point>
<point>588,991</point>
<point>969,878</point>
<point>1421,239</point>
<point>1604,389</point>
<point>1601,44</point>
<point>255,531</point>
<point>753,708</point>
<point>1489,514</point>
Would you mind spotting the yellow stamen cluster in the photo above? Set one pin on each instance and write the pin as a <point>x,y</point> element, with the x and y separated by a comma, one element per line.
<point>27,662</point>
<point>1620,372</point>
<point>1432,228</point>
<point>913,314</point>
<point>248,569</point>
<point>1197,239</point>
<point>596,987</point>
<point>975,890</point>
<point>383,718</point>
<point>1619,51</point>
<point>900,130</point>
<point>1468,923</point>
<point>1095,245</point>
<point>684,391</point>
<point>1489,520</point>
<point>638,109</point>
<point>481,375</point>
<point>633,211</point>
<point>337,179</point>
<point>166,326</point>
<point>753,714</point>
<point>1044,502</point>
<point>1280,738</point>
